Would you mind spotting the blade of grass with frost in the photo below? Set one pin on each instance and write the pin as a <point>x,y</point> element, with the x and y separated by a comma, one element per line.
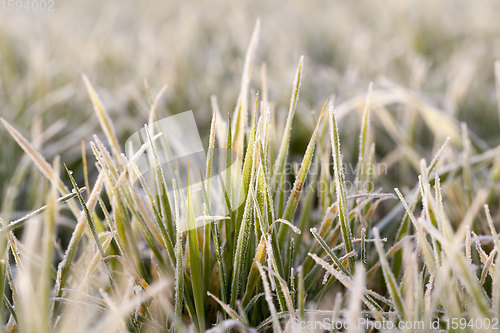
<point>264,203</point>
<point>370,169</point>
<point>422,241</point>
<point>105,159</point>
<point>103,117</point>
<point>329,252</point>
<point>361,174</point>
<point>168,230</point>
<point>40,162</point>
<point>95,260</point>
<point>427,200</point>
<point>269,300</point>
<point>462,269</point>
<point>137,207</point>
<point>91,224</point>
<point>288,306</point>
<point>166,238</point>
<point>248,171</point>
<point>20,221</point>
<point>187,282</point>
<point>325,187</point>
<point>493,232</point>
<point>446,228</point>
<point>363,246</point>
<point>195,262</point>
<point>65,265</point>
<point>340,186</point>
<point>339,264</point>
<point>208,175</point>
<point>488,266</point>
<point>228,193</point>
<point>272,247</point>
<point>122,196</point>
<point>263,200</point>
<point>215,225</point>
<point>304,218</point>
<point>253,276</point>
<point>227,308</point>
<point>293,200</point>
<point>90,220</point>
<point>326,223</point>
<point>403,229</point>
<point>241,250</point>
<point>266,137</point>
<point>346,282</point>
<point>240,119</point>
<point>118,207</point>
<point>84,164</point>
<point>179,264</point>
<point>167,242</point>
<point>285,141</point>
<point>390,280</point>
<point>429,207</point>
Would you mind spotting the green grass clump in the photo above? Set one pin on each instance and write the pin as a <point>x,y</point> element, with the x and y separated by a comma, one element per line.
<point>280,253</point>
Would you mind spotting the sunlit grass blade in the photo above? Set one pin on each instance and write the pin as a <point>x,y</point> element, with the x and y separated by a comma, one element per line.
<point>249,167</point>
<point>103,117</point>
<point>39,161</point>
<point>285,141</point>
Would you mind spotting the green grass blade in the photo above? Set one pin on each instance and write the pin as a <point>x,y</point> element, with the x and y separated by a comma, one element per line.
<point>195,262</point>
<point>285,141</point>
<point>293,200</point>
<point>340,186</point>
<point>361,173</point>
<point>64,266</point>
<point>241,251</point>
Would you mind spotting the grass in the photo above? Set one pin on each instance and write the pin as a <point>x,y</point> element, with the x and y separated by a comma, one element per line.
<point>381,206</point>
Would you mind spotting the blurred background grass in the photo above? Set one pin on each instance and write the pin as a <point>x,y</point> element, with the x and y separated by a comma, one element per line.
<point>444,50</point>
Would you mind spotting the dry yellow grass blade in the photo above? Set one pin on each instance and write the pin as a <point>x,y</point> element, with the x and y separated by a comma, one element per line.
<point>103,117</point>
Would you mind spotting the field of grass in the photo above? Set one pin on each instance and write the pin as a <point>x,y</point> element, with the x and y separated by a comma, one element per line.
<point>347,176</point>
